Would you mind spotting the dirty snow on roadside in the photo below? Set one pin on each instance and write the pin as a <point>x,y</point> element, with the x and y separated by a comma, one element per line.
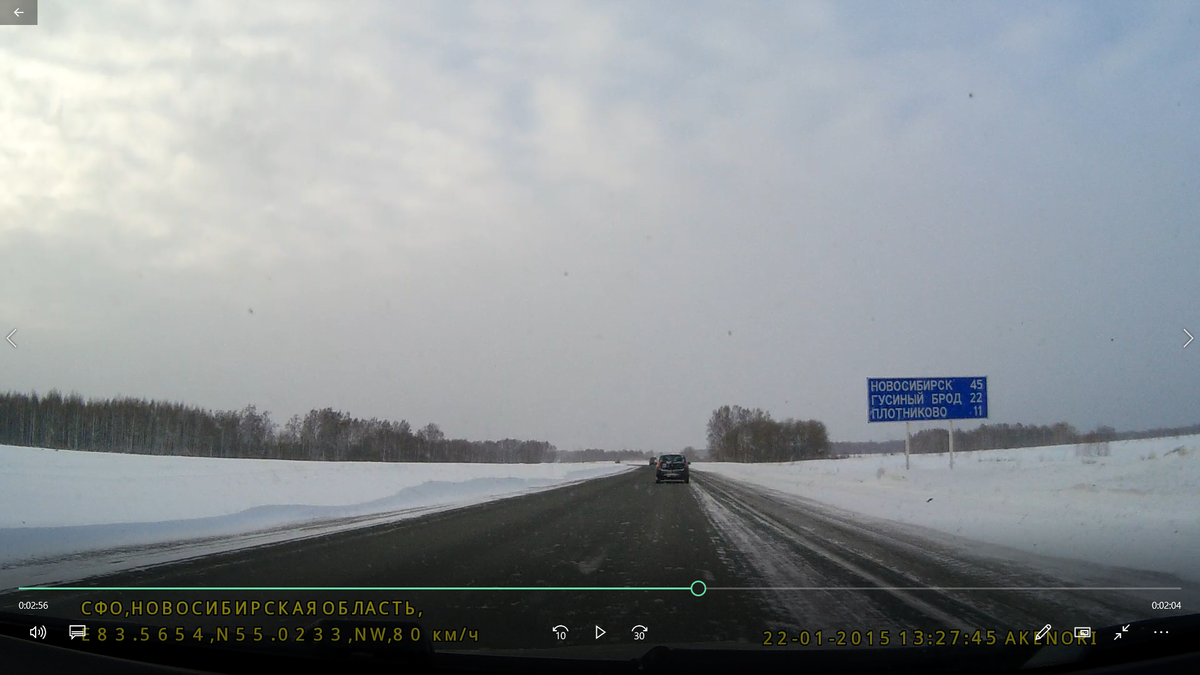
<point>1126,503</point>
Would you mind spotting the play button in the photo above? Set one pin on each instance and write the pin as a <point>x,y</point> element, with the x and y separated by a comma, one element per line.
<point>599,631</point>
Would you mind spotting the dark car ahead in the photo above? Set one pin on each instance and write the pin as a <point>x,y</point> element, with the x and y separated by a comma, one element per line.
<point>672,467</point>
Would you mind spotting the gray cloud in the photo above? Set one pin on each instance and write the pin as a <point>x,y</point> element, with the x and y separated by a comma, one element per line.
<point>593,223</point>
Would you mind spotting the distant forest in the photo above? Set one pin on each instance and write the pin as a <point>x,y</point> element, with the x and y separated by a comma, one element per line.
<point>996,436</point>
<point>153,428</point>
<point>737,434</point>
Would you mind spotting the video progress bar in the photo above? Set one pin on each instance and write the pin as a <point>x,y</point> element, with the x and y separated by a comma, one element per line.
<point>945,588</point>
<point>696,588</point>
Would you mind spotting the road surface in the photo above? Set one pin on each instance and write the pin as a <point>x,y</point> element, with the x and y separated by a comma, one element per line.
<point>768,562</point>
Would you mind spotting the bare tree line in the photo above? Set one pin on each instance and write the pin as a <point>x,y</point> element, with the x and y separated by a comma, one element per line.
<point>156,428</point>
<point>998,436</point>
<point>737,434</point>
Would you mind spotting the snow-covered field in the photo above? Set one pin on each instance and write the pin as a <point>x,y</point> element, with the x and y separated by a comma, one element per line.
<point>1130,504</point>
<point>64,515</point>
<point>67,514</point>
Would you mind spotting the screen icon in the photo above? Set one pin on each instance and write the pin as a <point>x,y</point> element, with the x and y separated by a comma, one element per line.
<point>1083,632</point>
<point>18,13</point>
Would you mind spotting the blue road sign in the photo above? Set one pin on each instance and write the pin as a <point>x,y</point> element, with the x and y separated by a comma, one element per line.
<point>900,399</point>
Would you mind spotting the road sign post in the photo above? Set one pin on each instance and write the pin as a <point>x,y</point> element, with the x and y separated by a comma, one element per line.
<point>951,444</point>
<point>907,440</point>
<point>908,399</point>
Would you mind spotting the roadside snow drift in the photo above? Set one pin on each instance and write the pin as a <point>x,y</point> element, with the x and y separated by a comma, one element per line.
<point>67,514</point>
<point>1128,503</point>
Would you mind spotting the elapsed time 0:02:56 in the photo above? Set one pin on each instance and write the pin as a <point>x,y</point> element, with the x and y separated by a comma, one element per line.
<point>883,638</point>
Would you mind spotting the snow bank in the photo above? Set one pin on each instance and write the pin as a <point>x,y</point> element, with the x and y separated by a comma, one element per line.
<point>1128,503</point>
<point>58,507</point>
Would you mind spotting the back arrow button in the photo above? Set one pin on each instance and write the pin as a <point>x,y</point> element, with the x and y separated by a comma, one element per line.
<point>9,338</point>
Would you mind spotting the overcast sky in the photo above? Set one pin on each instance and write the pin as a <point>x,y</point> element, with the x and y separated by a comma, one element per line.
<point>594,223</point>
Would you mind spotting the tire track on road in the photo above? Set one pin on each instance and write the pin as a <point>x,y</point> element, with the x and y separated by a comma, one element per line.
<point>785,558</point>
<point>856,572</point>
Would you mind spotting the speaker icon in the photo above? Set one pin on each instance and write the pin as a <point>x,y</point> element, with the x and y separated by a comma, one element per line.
<point>38,632</point>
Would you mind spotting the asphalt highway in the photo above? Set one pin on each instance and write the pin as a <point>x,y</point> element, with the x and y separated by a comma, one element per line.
<point>622,552</point>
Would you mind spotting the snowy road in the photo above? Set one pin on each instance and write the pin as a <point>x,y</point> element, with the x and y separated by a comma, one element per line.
<point>620,551</point>
<point>821,568</point>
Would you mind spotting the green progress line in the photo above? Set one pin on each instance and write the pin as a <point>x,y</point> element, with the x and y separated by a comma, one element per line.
<point>355,588</point>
